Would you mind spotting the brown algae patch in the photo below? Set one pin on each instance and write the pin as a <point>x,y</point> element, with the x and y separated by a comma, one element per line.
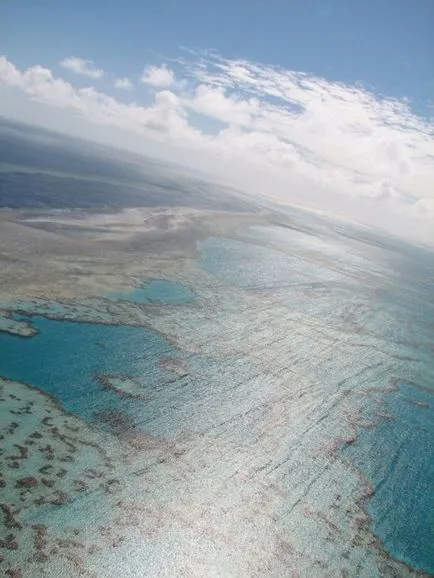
<point>178,367</point>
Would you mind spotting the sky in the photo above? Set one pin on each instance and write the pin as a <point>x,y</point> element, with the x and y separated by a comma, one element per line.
<point>326,104</point>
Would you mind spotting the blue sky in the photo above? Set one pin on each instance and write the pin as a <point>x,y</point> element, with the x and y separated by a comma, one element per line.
<point>387,45</point>
<point>329,105</point>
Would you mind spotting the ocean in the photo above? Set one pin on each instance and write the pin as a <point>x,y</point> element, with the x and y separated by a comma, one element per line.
<point>268,413</point>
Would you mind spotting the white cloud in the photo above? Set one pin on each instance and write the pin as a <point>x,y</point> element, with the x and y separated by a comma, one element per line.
<point>9,74</point>
<point>158,76</point>
<point>284,134</point>
<point>124,83</point>
<point>165,115</point>
<point>425,206</point>
<point>82,67</point>
<point>213,102</point>
<point>342,133</point>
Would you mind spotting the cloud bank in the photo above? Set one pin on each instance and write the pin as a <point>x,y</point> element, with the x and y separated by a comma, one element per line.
<point>288,135</point>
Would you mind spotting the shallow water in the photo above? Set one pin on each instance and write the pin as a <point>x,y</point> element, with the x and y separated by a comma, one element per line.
<point>244,436</point>
<point>396,456</point>
<point>155,291</point>
<point>78,354</point>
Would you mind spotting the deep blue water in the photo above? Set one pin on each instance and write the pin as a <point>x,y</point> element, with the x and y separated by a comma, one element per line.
<point>156,291</point>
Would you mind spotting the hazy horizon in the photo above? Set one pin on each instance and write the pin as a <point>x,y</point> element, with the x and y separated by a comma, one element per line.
<point>342,125</point>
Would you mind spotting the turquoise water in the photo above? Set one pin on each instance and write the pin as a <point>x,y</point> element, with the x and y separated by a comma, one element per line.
<point>269,384</point>
<point>64,358</point>
<point>397,457</point>
<point>156,291</point>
